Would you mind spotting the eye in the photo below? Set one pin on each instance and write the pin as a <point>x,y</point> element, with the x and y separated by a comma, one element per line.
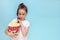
<point>23,14</point>
<point>19,13</point>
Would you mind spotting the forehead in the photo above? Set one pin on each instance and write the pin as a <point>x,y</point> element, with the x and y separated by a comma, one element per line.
<point>22,11</point>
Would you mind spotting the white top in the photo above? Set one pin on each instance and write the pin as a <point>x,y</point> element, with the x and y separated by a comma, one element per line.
<point>20,36</point>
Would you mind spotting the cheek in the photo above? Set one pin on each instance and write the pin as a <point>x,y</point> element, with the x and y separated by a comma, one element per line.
<point>18,15</point>
<point>24,16</point>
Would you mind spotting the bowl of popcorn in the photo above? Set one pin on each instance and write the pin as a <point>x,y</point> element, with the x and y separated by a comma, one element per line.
<point>14,27</point>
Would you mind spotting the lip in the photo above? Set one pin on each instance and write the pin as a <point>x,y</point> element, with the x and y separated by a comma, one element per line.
<point>20,19</point>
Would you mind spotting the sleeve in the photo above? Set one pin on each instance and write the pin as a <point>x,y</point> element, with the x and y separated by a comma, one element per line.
<point>27,24</point>
<point>14,20</point>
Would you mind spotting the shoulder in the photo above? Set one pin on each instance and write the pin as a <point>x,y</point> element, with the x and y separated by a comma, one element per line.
<point>14,20</point>
<point>26,21</point>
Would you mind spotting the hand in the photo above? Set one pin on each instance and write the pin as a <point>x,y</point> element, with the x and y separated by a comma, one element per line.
<point>13,35</point>
<point>18,20</point>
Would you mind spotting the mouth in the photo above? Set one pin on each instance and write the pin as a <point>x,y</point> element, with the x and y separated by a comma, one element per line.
<point>20,18</point>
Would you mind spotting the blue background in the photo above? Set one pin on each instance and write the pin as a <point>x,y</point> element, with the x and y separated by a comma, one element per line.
<point>44,16</point>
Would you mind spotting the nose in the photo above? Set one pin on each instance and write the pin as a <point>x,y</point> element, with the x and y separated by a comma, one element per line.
<point>20,15</point>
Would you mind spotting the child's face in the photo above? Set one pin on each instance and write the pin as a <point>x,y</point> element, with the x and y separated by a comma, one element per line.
<point>22,14</point>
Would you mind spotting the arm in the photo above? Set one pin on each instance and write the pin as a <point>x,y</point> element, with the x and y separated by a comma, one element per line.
<point>24,30</point>
<point>9,33</point>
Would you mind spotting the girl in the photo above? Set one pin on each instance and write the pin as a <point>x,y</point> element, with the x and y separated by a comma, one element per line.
<point>21,15</point>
